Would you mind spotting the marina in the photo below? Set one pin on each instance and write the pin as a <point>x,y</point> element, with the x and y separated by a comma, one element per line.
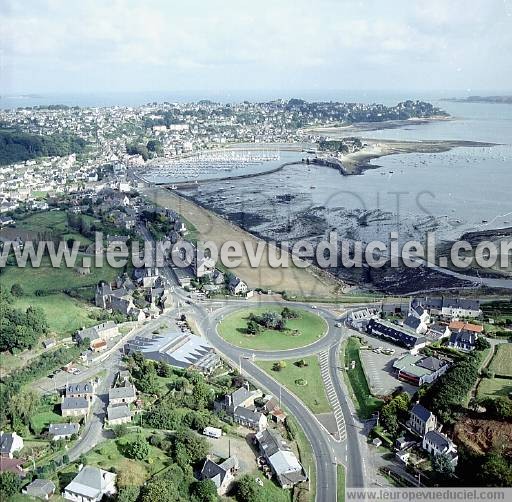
<point>214,164</point>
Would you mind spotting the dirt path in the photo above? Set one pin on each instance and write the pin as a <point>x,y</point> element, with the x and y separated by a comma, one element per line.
<point>211,227</point>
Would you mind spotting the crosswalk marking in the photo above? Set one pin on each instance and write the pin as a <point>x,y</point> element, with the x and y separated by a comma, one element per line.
<point>323,357</point>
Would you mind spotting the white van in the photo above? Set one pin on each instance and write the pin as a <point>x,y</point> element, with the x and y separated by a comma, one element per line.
<point>212,432</point>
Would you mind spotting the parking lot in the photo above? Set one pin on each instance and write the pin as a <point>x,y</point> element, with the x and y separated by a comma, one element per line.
<point>378,366</point>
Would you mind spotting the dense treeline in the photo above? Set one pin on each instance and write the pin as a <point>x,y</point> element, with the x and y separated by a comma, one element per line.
<point>20,330</point>
<point>11,386</point>
<point>450,391</point>
<point>18,146</point>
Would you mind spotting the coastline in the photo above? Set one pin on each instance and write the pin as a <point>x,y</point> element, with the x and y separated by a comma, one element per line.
<point>358,162</point>
<point>211,226</point>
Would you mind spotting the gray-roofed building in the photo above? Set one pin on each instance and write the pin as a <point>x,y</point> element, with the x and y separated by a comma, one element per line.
<point>450,307</point>
<point>418,370</point>
<point>463,340</point>
<point>181,350</point>
<point>437,443</point>
<point>402,336</point>
<point>250,418</point>
<point>104,331</point>
<point>74,406</point>
<point>242,396</point>
<point>62,431</point>
<point>10,443</point>
<point>421,420</point>
<point>221,474</point>
<point>438,331</point>
<point>90,485</point>
<point>118,414</point>
<point>82,389</point>
<point>124,394</point>
<point>283,462</point>
<point>416,324</point>
<point>40,488</point>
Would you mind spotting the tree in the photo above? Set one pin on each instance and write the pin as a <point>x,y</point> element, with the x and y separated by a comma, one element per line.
<point>482,343</point>
<point>394,411</point>
<point>159,489</point>
<point>279,365</point>
<point>253,328</point>
<point>165,370</point>
<point>301,363</point>
<point>17,290</point>
<point>138,449</point>
<point>10,484</point>
<point>442,465</point>
<point>128,494</point>
<point>155,146</point>
<point>201,394</point>
<point>499,407</point>
<point>204,491</point>
<point>288,313</point>
<point>495,471</point>
<point>23,404</point>
<point>120,430</point>
<point>247,490</point>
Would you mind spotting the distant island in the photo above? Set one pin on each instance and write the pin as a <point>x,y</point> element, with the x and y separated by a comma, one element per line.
<point>482,99</point>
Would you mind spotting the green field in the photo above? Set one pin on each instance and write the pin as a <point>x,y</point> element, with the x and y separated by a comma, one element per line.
<point>312,394</point>
<point>501,363</point>
<point>365,403</point>
<point>64,314</point>
<point>54,222</point>
<point>310,326</point>
<point>493,387</point>
<point>55,279</point>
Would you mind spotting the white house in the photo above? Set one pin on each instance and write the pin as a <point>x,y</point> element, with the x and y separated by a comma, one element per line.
<point>62,431</point>
<point>437,443</point>
<point>10,443</point>
<point>237,286</point>
<point>90,485</point>
<point>421,420</point>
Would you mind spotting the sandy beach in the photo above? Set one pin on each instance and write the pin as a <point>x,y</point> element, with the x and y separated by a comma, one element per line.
<point>211,227</point>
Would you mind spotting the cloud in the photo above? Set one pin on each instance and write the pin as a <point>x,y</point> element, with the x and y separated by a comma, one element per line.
<point>109,45</point>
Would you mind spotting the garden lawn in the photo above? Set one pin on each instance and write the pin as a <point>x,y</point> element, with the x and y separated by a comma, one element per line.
<point>494,387</point>
<point>109,454</point>
<point>313,394</point>
<point>365,403</point>
<point>41,420</point>
<point>501,363</point>
<point>310,326</point>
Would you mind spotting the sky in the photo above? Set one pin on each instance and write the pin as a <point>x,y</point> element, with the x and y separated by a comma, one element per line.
<point>289,45</point>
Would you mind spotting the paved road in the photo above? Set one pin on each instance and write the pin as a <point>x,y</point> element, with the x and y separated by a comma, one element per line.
<point>326,450</point>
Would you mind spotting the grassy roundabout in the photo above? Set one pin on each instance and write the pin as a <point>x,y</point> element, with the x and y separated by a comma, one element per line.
<point>300,331</point>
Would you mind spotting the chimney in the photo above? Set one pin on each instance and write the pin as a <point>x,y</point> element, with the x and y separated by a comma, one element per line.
<point>246,385</point>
